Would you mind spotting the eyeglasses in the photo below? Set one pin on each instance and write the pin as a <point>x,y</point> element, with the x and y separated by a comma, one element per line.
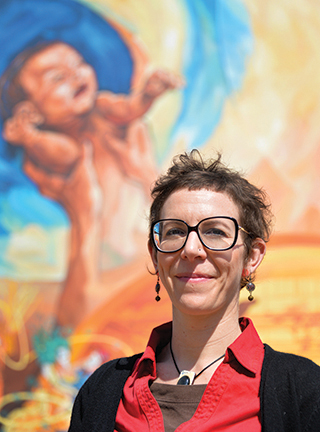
<point>217,233</point>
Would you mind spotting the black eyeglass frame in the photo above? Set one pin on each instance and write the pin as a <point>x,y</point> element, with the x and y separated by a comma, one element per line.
<point>196,229</point>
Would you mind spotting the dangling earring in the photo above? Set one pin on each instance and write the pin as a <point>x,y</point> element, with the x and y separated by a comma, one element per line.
<point>157,298</point>
<point>250,287</point>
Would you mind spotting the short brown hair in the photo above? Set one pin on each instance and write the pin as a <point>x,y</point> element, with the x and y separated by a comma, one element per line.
<point>191,171</point>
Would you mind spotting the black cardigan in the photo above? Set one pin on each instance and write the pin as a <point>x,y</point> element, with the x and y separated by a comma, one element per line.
<point>289,394</point>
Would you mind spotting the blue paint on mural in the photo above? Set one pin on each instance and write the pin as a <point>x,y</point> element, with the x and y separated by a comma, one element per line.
<point>218,43</point>
<point>26,22</point>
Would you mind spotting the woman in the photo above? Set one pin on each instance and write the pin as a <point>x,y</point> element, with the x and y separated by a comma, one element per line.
<point>207,369</point>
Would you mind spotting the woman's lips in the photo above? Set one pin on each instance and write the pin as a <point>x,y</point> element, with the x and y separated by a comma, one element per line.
<point>193,277</point>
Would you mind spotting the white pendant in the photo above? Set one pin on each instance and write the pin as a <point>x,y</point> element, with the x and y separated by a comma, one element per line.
<point>186,378</point>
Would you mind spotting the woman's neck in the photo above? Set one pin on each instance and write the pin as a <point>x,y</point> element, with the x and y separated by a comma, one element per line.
<point>196,342</point>
<point>198,338</point>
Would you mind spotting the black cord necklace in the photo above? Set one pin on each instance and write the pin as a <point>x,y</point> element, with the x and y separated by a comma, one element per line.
<point>187,377</point>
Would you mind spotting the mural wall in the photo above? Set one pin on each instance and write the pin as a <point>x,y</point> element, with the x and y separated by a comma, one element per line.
<point>96,98</point>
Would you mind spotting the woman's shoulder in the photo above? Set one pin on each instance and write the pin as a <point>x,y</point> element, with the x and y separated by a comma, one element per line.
<point>290,392</point>
<point>282,367</point>
<point>103,387</point>
<point>113,369</point>
<point>108,378</point>
<point>287,360</point>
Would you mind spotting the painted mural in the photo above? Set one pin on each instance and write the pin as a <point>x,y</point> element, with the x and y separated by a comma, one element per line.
<point>96,98</point>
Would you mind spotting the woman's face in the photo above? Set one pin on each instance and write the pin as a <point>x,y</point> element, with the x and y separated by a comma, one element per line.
<point>200,281</point>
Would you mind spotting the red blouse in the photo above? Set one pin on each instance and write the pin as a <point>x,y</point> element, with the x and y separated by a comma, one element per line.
<point>230,402</point>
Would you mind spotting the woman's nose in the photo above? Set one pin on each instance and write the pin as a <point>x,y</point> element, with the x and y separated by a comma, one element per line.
<point>193,247</point>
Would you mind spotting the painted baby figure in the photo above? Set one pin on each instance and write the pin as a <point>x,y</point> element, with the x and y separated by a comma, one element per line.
<point>80,144</point>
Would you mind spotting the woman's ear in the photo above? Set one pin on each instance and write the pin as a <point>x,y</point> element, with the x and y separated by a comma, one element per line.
<point>256,255</point>
<point>153,255</point>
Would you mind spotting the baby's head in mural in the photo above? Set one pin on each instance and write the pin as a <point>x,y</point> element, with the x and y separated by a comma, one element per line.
<point>49,84</point>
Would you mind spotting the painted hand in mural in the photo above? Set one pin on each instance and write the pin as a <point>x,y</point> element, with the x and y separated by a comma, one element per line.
<point>160,81</point>
<point>22,126</point>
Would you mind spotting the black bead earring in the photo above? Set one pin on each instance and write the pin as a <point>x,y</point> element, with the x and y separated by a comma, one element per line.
<point>157,298</point>
<point>250,287</point>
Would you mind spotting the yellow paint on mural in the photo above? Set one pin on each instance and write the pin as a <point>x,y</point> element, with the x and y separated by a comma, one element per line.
<point>286,309</point>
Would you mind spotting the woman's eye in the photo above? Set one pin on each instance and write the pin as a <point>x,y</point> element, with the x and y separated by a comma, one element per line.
<point>175,232</point>
<point>215,232</point>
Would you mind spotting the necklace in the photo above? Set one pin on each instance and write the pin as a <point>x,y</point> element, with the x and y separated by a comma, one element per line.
<point>187,377</point>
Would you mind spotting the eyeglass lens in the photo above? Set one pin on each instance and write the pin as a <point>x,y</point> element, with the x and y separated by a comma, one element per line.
<point>217,233</point>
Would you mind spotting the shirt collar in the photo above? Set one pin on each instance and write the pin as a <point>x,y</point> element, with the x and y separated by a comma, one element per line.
<point>248,348</point>
<point>159,338</point>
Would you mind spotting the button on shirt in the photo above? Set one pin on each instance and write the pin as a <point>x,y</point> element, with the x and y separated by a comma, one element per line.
<point>230,402</point>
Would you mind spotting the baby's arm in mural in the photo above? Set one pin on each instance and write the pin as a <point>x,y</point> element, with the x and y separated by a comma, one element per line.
<point>123,109</point>
<point>54,152</point>
<point>131,144</point>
